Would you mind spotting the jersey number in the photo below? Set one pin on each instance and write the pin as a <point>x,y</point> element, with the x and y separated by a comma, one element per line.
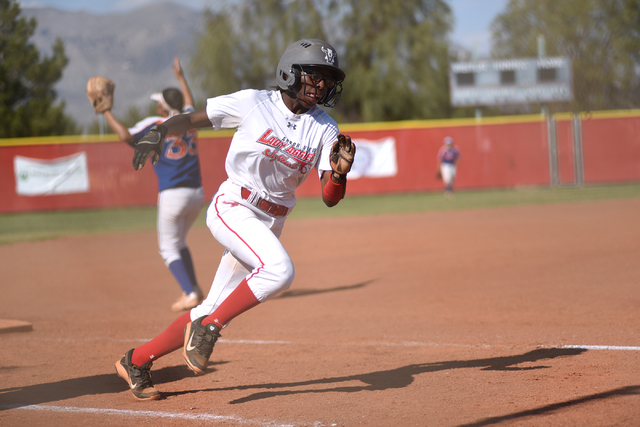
<point>178,147</point>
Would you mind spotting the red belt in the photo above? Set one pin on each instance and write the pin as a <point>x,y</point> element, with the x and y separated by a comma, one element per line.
<point>265,205</point>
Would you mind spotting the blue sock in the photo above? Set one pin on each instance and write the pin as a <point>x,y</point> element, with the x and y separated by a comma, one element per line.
<point>179,271</point>
<point>188,265</point>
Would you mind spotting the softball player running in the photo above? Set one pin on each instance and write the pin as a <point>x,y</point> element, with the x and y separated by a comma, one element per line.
<point>281,136</point>
<point>180,196</point>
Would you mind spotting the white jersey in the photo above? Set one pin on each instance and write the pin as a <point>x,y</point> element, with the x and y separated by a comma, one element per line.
<point>273,150</point>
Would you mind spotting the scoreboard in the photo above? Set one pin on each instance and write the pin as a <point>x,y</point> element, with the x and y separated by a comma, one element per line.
<point>510,81</point>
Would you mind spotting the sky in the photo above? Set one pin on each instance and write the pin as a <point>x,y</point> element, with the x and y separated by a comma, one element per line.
<point>471,29</point>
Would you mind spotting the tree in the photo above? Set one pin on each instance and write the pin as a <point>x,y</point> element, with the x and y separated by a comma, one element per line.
<point>26,94</point>
<point>215,64</point>
<point>229,58</point>
<point>601,37</point>
<point>396,59</point>
<point>394,52</point>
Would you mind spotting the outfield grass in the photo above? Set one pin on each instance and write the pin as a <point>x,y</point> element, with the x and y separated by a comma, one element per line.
<point>50,225</point>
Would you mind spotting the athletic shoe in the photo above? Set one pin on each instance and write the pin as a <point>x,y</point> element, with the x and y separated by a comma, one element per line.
<point>138,378</point>
<point>187,302</point>
<point>199,340</point>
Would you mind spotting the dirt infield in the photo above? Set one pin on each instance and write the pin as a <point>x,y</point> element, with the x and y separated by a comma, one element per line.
<point>521,316</point>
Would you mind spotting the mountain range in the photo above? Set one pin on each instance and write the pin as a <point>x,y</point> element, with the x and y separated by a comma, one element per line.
<point>134,49</point>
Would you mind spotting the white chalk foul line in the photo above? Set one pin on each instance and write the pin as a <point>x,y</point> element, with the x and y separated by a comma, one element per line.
<point>602,347</point>
<point>365,343</point>
<point>146,414</point>
<point>435,344</point>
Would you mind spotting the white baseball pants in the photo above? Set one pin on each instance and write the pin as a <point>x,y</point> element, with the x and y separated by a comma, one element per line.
<point>178,209</point>
<point>253,250</point>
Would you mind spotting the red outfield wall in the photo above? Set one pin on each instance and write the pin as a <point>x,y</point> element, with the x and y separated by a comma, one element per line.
<point>503,152</point>
<point>610,147</point>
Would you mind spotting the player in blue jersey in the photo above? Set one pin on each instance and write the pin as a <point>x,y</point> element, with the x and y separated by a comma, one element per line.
<point>448,157</point>
<point>180,193</point>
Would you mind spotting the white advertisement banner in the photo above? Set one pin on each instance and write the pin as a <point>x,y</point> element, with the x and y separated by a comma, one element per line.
<point>374,159</point>
<point>64,175</point>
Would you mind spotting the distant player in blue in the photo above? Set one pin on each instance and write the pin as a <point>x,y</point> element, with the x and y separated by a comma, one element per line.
<point>448,157</point>
<point>180,193</point>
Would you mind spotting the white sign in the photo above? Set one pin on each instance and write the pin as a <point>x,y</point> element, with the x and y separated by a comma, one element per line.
<point>64,175</point>
<point>374,159</point>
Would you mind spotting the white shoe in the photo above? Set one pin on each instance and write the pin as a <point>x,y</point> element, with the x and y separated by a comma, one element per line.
<point>187,302</point>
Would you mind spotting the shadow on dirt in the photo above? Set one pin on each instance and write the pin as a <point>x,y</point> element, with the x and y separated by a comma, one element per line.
<point>85,386</point>
<point>545,410</point>
<point>306,292</point>
<point>399,377</point>
<point>374,381</point>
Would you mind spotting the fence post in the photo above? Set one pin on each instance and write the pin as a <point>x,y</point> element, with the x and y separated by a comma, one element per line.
<point>553,150</point>
<point>578,164</point>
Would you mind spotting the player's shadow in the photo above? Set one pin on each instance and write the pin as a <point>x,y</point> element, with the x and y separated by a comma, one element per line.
<point>83,386</point>
<point>307,292</point>
<point>372,381</point>
<point>394,378</point>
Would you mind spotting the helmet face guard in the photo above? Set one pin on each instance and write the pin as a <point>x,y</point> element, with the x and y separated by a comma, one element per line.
<point>304,57</point>
<point>333,86</point>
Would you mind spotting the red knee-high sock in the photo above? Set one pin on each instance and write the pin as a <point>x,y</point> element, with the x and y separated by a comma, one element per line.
<point>238,301</point>
<point>170,340</point>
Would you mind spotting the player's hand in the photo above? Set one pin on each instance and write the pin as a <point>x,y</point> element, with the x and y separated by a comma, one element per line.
<point>150,145</point>
<point>100,93</point>
<point>177,69</point>
<point>342,155</point>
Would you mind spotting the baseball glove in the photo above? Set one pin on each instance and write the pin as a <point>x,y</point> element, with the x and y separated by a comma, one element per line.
<point>151,143</point>
<point>100,93</point>
<point>342,155</point>
<point>438,175</point>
